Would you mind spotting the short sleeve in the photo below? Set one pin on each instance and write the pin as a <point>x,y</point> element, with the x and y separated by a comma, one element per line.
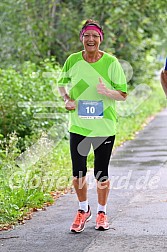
<point>64,78</point>
<point>117,76</point>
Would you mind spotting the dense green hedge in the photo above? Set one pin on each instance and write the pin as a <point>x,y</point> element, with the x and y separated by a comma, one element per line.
<point>25,94</point>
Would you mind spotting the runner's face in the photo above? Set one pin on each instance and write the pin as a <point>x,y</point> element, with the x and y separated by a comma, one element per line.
<point>91,41</point>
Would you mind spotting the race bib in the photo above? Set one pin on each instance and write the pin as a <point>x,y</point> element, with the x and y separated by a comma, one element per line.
<point>90,109</point>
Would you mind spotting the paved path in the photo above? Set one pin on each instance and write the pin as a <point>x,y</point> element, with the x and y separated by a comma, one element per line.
<point>137,207</point>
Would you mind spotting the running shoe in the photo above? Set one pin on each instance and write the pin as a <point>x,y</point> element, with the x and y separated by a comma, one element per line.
<point>101,221</point>
<point>80,219</point>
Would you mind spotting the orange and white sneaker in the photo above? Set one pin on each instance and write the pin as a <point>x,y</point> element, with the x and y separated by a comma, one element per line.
<point>80,219</point>
<point>101,221</point>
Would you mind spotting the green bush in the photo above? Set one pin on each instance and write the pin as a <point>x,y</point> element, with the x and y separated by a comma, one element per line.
<point>24,188</point>
<point>22,97</point>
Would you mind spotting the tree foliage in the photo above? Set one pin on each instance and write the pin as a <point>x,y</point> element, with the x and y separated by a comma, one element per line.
<point>33,30</point>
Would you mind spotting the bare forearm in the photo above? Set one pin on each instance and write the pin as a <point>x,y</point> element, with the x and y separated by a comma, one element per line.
<point>116,95</point>
<point>63,93</point>
<point>163,79</point>
<point>112,94</point>
<point>69,104</point>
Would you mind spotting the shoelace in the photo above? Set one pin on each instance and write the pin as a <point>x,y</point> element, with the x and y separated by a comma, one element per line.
<point>78,218</point>
<point>101,218</point>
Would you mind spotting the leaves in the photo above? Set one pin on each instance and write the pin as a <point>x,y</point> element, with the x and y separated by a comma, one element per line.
<point>33,31</point>
<point>27,86</point>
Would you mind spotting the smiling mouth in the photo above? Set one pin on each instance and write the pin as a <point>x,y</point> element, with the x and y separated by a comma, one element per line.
<point>90,44</point>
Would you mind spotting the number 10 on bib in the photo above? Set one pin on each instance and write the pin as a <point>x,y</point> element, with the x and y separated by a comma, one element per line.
<point>90,109</point>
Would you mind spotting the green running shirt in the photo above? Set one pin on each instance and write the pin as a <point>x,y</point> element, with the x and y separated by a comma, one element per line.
<point>95,114</point>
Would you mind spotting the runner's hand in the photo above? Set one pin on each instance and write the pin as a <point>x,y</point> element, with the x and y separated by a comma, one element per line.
<point>101,88</point>
<point>70,104</point>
